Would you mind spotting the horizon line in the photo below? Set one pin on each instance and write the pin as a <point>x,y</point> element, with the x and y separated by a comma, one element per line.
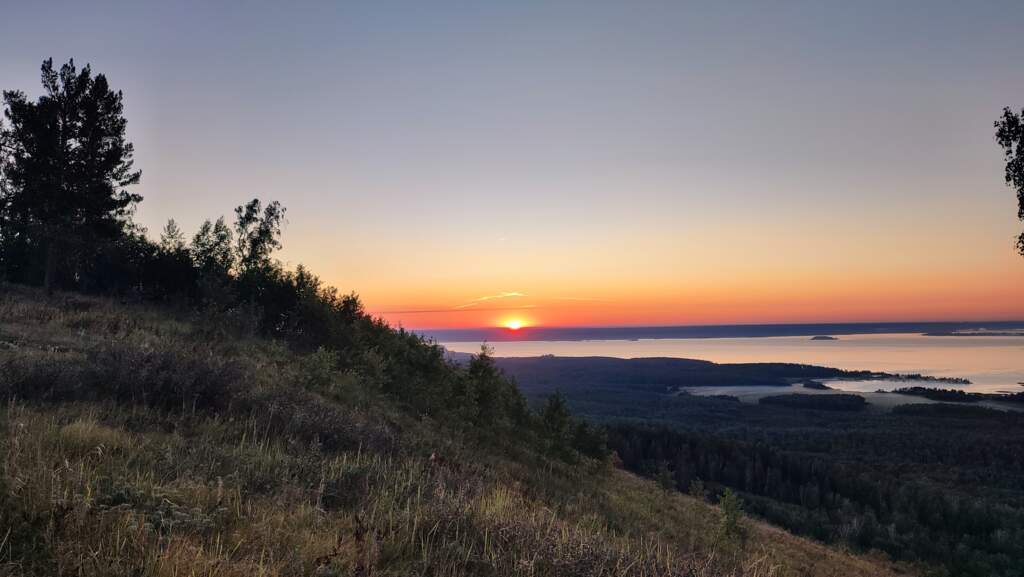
<point>706,325</point>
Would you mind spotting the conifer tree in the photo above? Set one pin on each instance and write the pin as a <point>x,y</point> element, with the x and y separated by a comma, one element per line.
<point>67,166</point>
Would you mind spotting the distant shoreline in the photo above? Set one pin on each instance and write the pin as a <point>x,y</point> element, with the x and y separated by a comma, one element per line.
<point>998,328</point>
<point>978,333</point>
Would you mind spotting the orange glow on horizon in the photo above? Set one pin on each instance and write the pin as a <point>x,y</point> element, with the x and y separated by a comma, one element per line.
<point>795,276</point>
<point>794,299</point>
<point>514,324</point>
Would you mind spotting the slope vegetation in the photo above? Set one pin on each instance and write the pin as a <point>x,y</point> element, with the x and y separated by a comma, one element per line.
<point>138,441</point>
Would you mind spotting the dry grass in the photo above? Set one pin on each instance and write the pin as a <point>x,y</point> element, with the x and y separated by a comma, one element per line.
<point>279,480</point>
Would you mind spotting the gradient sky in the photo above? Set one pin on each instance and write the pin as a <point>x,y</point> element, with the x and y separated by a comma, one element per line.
<point>581,163</point>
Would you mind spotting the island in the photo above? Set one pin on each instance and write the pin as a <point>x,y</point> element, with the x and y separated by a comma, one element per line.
<point>816,385</point>
<point>824,338</point>
<point>957,396</point>
<point>981,332</point>
<point>916,377</point>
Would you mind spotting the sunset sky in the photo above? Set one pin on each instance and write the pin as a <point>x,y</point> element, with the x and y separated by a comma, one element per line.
<point>581,163</point>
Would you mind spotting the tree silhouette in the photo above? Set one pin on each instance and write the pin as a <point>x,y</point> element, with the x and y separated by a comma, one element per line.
<point>1010,135</point>
<point>66,168</point>
<point>258,234</point>
<point>211,248</point>
<point>171,238</point>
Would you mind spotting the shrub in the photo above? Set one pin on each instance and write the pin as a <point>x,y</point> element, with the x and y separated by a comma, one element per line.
<point>697,490</point>
<point>732,515</point>
<point>665,479</point>
<point>318,369</point>
<point>186,377</point>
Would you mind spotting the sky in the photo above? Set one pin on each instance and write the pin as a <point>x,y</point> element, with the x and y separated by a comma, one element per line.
<point>590,163</point>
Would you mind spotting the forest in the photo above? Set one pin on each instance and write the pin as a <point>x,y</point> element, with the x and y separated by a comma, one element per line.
<point>936,483</point>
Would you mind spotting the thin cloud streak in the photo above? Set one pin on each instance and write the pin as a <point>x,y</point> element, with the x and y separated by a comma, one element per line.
<point>503,295</point>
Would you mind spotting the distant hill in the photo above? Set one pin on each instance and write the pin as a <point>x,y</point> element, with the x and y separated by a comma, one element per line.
<point>535,374</point>
<point>495,334</point>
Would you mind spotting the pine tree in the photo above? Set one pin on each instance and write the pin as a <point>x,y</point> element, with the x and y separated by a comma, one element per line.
<point>172,240</point>
<point>67,166</point>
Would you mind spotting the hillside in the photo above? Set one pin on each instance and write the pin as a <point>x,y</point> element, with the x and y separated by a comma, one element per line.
<point>138,441</point>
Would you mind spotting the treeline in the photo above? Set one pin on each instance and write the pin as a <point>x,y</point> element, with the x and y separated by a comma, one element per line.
<point>959,396</point>
<point>66,224</point>
<point>831,402</point>
<point>945,395</point>
<point>838,499</point>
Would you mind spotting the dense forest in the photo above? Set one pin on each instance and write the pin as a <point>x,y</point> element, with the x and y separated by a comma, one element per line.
<point>836,402</point>
<point>884,489</point>
<point>937,483</point>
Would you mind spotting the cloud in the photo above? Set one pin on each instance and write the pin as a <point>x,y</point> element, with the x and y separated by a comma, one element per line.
<point>504,295</point>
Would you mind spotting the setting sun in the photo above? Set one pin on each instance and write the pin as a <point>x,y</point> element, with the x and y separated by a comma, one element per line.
<point>514,324</point>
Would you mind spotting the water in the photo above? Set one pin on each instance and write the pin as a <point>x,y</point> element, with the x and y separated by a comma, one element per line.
<point>993,364</point>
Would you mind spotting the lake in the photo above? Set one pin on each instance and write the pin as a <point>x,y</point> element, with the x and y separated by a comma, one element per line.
<point>992,363</point>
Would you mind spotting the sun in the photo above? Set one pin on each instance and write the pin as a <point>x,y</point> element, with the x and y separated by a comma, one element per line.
<point>514,324</point>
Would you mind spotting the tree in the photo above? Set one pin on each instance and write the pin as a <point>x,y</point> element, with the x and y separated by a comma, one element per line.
<point>211,248</point>
<point>1010,135</point>
<point>172,240</point>
<point>555,417</point>
<point>732,514</point>
<point>496,401</point>
<point>67,166</point>
<point>664,476</point>
<point>258,234</point>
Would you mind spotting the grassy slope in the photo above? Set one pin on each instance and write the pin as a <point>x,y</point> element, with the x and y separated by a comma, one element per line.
<point>143,444</point>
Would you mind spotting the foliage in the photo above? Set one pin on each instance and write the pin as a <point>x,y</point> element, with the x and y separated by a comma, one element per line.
<point>938,490</point>
<point>732,514</point>
<point>1010,136</point>
<point>257,234</point>
<point>318,369</point>
<point>67,166</point>
<point>211,249</point>
<point>664,477</point>
<point>172,240</point>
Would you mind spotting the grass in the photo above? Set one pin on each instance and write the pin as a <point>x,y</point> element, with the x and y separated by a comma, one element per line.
<point>133,443</point>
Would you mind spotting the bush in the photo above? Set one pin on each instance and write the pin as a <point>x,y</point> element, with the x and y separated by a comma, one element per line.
<point>732,515</point>
<point>318,369</point>
<point>190,378</point>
